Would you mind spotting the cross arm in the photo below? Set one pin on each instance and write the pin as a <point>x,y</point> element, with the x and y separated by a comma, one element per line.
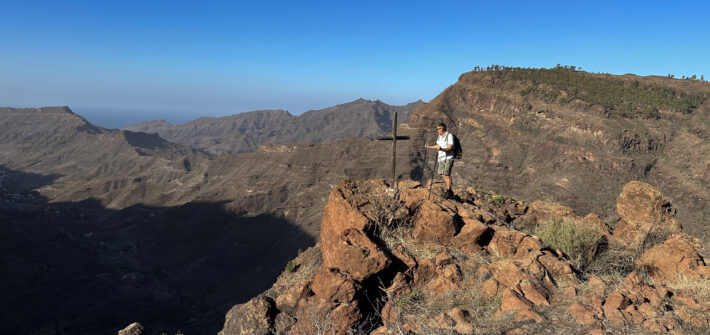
<point>389,138</point>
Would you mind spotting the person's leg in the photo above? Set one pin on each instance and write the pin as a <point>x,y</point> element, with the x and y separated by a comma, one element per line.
<point>447,180</point>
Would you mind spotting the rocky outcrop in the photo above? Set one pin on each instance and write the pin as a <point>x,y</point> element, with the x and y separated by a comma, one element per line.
<point>132,329</point>
<point>448,258</point>
<point>643,211</point>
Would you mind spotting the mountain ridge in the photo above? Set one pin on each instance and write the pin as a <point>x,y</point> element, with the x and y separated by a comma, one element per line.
<point>245,132</point>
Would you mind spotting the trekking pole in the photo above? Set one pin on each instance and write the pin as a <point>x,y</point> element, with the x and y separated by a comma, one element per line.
<point>431,180</point>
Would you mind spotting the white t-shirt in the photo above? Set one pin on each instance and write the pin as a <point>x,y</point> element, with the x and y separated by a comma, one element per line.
<point>443,141</point>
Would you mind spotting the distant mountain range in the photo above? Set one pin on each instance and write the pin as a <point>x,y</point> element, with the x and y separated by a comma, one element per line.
<point>245,132</point>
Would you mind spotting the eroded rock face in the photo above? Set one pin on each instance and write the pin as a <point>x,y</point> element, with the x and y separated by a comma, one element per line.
<point>253,317</point>
<point>643,210</point>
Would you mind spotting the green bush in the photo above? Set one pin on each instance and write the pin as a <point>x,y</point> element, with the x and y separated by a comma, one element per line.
<point>290,267</point>
<point>575,241</point>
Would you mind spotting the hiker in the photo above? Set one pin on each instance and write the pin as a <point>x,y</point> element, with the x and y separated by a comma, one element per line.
<point>445,159</point>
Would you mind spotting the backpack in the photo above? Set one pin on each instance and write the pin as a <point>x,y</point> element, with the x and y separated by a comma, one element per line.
<point>458,151</point>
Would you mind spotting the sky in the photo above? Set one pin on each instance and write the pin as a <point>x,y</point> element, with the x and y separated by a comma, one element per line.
<point>122,62</point>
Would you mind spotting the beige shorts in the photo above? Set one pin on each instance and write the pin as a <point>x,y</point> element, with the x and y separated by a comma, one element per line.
<point>445,167</point>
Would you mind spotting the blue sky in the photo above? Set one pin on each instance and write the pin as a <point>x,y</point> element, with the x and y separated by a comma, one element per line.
<point>119,62</point>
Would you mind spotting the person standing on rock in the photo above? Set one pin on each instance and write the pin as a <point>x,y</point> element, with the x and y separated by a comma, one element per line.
<point>445,145</point>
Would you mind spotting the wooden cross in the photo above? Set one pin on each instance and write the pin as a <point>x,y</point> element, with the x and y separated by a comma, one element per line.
<point>394,139</point>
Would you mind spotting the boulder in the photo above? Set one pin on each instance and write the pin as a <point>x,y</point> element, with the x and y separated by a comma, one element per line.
<point>675,258</point>
<point>331,285</point>
<point>356,255</point>
<point>339,215</point>
<point>642,210</point>
<point>434,224</point>
<point>505,241</point>
<point>256,317</point>
<point>473,233</point>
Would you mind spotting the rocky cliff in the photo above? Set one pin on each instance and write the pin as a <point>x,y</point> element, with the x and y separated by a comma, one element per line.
<point>409,262</point>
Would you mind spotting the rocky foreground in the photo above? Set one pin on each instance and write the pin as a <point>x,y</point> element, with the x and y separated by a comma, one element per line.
<point>407,263</point>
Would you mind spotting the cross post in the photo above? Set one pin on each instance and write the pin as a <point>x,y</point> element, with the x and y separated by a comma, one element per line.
<point>394,139</point>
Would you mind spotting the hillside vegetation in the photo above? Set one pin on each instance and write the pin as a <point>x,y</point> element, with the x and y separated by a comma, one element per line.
<point>623,98</point>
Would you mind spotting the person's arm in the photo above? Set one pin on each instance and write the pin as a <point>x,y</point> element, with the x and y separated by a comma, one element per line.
<point>449,142</point>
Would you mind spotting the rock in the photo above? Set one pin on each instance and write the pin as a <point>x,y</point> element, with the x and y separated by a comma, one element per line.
<point>433,224</point>
<point>316,315</point>
<point>676,257</point>
<point>534,293</point>
<point>559,268</point>
<point>356,255</point>
<point>288,300</point>
<point>505,241</point>
<point>513,301</point>
<point>583,315</point>
<point>529,315</point>
<point>331,285</point>
<point>596,332</point>
<point>507,273</point>
<point>455,319</point>
<point>383,330</point>
<point>132,329</point>
<point>474,233</point>
<point>643,210</point>
<point>256,317</point>
<point>283,323</point>
<point>543,211</point>
<point>338,215</point>
<point>424,272</point>
<point>444,258</point>
<point>617,300</point>
<point>400,253</point>
<point>490,287</point>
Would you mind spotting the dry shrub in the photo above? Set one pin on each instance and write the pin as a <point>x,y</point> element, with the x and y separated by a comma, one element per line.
<point>574,240</point>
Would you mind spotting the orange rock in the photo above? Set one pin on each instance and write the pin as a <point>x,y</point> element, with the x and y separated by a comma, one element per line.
<point>654,326</point>
<point>383,330</point>
<point>617,300</point>
<point>633,279</point>
<point>460,318</point>
<point>677,256</point>
<point>315,314</point>
<point>642,209</point>
<point>647,311</point>
<point>528,247</point>
<point>558,268</point>
<point>453,273</point>
<point>583,316</point>
<point>542,211</point>
<point>400,253</point>
<point>473,233</point>
<point>424,271</point>
<point>596,332</point>
<point>443,258</point>
<point>434,224</point>
<point>513,301</point>
<point>255,316</point>
<point>505,241</point>
<point>288,300</point>
<point>490,287</point>
<point>338,215</point>
<point>507,273</point>
<point>356,255</point>
<point>534,292</point>
<point>331,285</point>
<point>529,315</point>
